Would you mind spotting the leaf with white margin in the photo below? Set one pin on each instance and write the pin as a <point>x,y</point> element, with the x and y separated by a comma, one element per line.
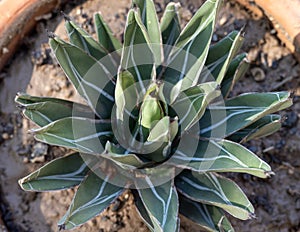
<point>61,173</point>
<point>105,35</point>
<point>142,211</point>
<point>91,79</point>
<point>261,128</point>
<point>126,96</point>
<point>237,68</point>
<point>165,130</point>
<point>211,189</point>
<point>170,27</point>
<point>239,112</point>
<point>189,53</point>
<point>209,217</point>
<point>191,104</point>
<point>43,110</point>
<point>220,56</point>
<point>92,197</point>
<point>86,42</point>
<point>161,204</point>
<point>121,158</point>
<point>159,142</point>
<point>150,21</point>
<point>218,156</point>
<point>137,56</point>
<point>81,134</point>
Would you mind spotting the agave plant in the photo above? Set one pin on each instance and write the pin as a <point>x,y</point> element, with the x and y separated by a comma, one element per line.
<point>158,120</point>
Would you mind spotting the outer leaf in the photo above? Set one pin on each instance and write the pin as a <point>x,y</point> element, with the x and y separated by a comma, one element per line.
<point>261,128</point>
<point>137,56</point>
<point>170,27</point>
<point>80,134</point>
<point>209,217</point>
<point>220,56</point>
<point>218,156</point>
<point>240,112</point>
<point>43,111</point>
<point>90,78</point>
<point>161,204</point>
<point>236,70</point>
<point>61,173</point>
<point>150,20</point>
<point>92,197</point>
<point>191,103</point>
<point>215,190</point>
<point>105,35</point>
<point>85,41</point>
<point>142,211</point>
<point>188,56</point>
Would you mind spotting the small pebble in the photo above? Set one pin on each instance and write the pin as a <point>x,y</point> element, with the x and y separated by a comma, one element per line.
<point>5,136</point>
<point>39,159</point>
<point>215,38</point>
<point>25,160</point>
<point>291,119</point>
<point>258,74</point>
<point>126,196</point>
<point>5,50</point>
<point>223,20</point>
<point>116,206</point>
<point>38,153</point>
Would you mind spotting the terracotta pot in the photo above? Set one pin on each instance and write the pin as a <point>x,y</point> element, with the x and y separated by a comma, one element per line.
<point>17,18</point>
<point>285,17</point>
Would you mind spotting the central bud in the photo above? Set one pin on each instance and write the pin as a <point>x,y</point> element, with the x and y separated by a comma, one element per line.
<point>153,108</point>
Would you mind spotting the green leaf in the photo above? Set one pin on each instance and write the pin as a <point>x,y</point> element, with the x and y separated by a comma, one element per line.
<point>159,142</point>
<point>142,211</point>
<point>209,217</point>
<point>92,197</point>
<point>80,134</point>
<point>137,56</point>
<point>121,158</point>
<point>170,27</point>
<point>149,18</point>
<point>190,105</point>
<point>85,41</point>
<point>43,110</point>
<point>236,70</point>
<point>61,173</point>
<point>161,204</point>
<point>220,56</point>
<point>218,156</point>
<point>215,190</point>
<point>221,120</point>
<point>261,128</point>
<point>90,77</point>
<point>165,130</point>
<point>105,35</point>
<point>126,96</point>
<point>188,56</point>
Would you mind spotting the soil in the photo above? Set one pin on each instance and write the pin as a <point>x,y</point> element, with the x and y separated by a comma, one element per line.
<point>33,69</point>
